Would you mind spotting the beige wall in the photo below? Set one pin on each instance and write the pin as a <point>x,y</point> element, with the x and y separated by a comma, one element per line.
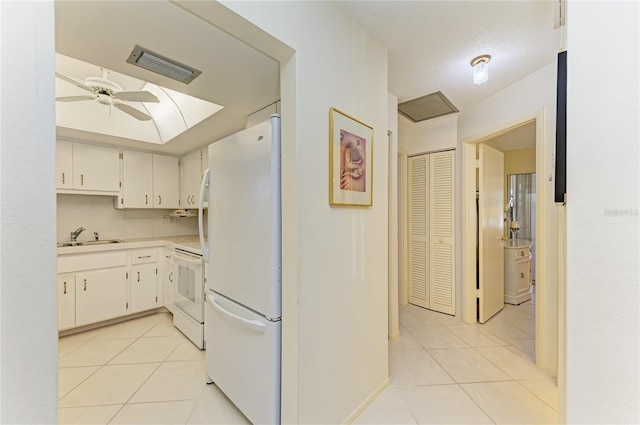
<point>520,161</point>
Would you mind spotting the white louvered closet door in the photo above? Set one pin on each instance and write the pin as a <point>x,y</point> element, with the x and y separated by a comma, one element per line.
<point>441,233</point>
<point>419,230</point>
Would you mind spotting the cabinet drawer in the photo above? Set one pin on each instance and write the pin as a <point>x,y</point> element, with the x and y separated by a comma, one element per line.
<point>523,253</point>
<point>141,256</point>
<point>91,261</point>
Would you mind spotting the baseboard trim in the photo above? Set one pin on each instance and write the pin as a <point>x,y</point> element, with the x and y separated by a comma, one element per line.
<point>367,402</point>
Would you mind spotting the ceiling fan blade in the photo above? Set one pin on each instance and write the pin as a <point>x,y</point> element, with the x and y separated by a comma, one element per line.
<point>139,115</point>
<point>137,96</point>
<point>75,98</point>
<point>73,81</point>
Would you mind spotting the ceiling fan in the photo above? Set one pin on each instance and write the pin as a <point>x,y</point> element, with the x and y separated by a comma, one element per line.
<point>108,92</point>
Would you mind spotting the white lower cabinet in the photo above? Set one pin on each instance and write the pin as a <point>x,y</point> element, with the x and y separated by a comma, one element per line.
<point>101,295</point>
<point>66,301</point>
<point>98,286</point>
<point>144,287</point>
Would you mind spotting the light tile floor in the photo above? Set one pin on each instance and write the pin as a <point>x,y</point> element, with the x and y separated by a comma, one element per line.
<point>145,371</point>
<point>443,371</point>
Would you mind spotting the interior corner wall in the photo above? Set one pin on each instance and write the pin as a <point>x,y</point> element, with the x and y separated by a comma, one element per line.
<point>28,307</point>
<point>519,102</point>
<point>603,204</point>
<point>342,251</point>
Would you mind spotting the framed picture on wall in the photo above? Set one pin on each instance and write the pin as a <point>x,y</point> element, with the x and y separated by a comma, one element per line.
<point>350,160</point>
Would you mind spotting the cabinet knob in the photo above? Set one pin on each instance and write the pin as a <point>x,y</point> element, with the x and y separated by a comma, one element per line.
<point>62,178</point>
<point>146,199</point>
<point>159,200</point>
<point>138,276</point>
<point>85,284</point>
<point>65,288</point>
<point>441,240</point>
<point>81,179</point>
<point>522,275</point>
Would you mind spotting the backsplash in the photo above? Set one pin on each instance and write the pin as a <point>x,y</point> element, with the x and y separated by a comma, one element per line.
<point>97,214</point>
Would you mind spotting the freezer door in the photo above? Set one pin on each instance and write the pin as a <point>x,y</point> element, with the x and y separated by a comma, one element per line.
<point>243,358</point>
<point>245,218</point>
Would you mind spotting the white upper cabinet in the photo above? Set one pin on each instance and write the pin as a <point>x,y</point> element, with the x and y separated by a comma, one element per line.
<point>87,168</point>
<point>96,168</point>
<point>64,164</point>
<point>137,180</point>
<point>190,177</point>
<point>166,182</point>
<point>149,181</point>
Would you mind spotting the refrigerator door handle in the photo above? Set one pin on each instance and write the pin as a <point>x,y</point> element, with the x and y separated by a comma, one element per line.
<point>206,178</point>
<point>254,325</point>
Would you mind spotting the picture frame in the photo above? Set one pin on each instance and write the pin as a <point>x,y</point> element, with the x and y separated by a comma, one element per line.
<point>350,160</point>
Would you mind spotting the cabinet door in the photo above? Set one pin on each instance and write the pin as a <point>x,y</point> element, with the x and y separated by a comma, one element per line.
<point>166,182</point>
<point>168,280</point>
<point>64,165</point>
<point>137,183</point>
<point>96,168</point>
<point>101,295</point>
<point>190,172</point>
<point>66,301</point>
<point>143,284</point>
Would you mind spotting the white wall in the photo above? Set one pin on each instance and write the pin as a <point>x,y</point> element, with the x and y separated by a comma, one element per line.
<point>429,136</point>
<point>518,103</point>
<point>27,215</point>
<point>341,255</point>
<point>96,214</point>
<point>603,232</point>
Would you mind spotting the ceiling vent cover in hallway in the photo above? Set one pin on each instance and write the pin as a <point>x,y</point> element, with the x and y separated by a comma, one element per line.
<point>426,107</point>
<point>162,65</point>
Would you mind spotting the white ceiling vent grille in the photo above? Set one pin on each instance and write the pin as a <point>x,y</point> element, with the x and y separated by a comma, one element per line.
<point>162,65</point>
<point>426,107</point>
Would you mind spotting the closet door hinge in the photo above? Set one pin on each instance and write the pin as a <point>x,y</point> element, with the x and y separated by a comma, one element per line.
<point>477,163</point>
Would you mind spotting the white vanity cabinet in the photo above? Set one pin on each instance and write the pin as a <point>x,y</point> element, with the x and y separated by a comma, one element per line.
<point>66,301</point>
<point>517,271</point>
<point>143,283</point>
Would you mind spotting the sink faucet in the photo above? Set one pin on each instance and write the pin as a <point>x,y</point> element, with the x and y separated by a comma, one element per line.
<point>76,233</point>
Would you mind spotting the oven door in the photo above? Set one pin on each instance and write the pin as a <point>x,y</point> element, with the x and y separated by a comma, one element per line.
<point>188,289</point>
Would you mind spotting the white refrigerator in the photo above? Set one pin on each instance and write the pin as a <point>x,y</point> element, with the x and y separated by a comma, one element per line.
<point>243,309</point>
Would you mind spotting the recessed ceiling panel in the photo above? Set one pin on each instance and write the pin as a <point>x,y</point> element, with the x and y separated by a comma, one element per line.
<point>426,107</point>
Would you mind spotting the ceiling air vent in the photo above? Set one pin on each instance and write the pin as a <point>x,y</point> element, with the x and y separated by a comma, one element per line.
<point>162,65</point>
<point>426,107</point>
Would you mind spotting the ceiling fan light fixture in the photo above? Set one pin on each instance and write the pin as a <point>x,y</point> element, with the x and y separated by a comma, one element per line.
<point>162,65</point>
<point>480,66</point>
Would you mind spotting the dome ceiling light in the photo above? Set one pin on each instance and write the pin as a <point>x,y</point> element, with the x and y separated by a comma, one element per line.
<point>480,66</point>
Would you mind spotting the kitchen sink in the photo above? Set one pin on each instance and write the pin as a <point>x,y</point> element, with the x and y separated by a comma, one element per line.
<point>89,243</point>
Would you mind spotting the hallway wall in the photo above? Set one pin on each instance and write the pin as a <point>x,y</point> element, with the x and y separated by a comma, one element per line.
<point>603,213</point>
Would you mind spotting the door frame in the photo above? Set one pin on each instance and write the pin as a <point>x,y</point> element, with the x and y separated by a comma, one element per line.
<point>403,228</point>
<point>469,220</point>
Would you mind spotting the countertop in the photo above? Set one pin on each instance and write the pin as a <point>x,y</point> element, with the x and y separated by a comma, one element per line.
<point>517,243</point>
<point>128,244</point>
